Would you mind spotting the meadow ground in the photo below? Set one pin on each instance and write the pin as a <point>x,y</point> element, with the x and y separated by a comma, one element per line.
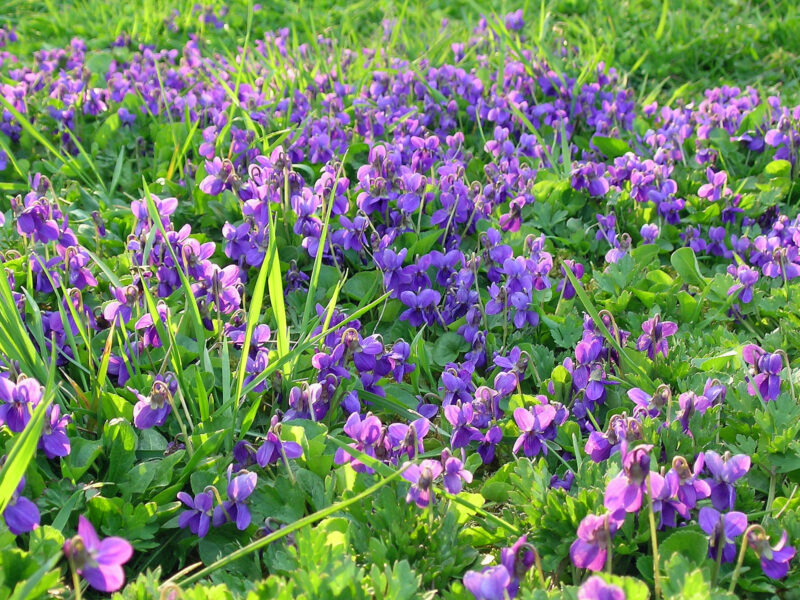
<point>399,300</point>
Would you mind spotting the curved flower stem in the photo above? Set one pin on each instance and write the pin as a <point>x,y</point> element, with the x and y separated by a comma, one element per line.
<point>785,356</point>
<point>718,562</point>
<point>770,493</point>
<point>652,517</point>
<point>610,555</point>
<point>288,466</point>
<point>76,582</point>
<point>742,551</point>
<point>186,438</point>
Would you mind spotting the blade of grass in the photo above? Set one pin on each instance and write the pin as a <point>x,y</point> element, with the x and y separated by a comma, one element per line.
<point>299,524</point>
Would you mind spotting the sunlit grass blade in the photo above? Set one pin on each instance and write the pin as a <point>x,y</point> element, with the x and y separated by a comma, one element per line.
<point>598,321</point>
<point>289,529</point>
<point>24,445</point>
<point>253,313</point>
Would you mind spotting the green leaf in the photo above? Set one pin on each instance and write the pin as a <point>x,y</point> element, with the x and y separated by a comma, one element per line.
<point>685,263</point>
<point>687,542</point>
<point>611,147</point>
<point>362,285</point>
<point>448,347</point>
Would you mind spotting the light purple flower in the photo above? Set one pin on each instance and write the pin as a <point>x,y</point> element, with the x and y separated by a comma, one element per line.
<point>422,477</point>
<point>489,584</point>
<point>18,401</point>
<point>595,533</point>
<point>533,423</point>
<point>454,473</point>
<point>654,339</point>
<point>98,562</point>
<point>595,588</point>
<point>626,490</point>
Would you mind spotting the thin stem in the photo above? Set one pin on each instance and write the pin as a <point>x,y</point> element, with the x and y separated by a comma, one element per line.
<point>789,372</point>
<point>610,555</point>
<point>770,493</point>
<point>76,582</point>
<point>652,517</point>
<point>718,562</point>
<point>742,551</point>
<point>186,438</point>
<point>288,466</point>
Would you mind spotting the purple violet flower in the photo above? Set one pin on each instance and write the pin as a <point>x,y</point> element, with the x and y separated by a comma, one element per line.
<point>198,513</point>
<point>722,530</point>
<point>235,508</point>
<point>595,588</point>
<point>21,515</point>
<point>18,401</point>
<point>533,424</point>
<point>764,377</point>
<point>595,532</point>
<point>626,490</point>
<point>654,339</point>
<point>725,470</point>
<point>774,559</point>
<point>98,562</point>
<point>422,477</point>
<point>489,584</point>
<point>54,440</point>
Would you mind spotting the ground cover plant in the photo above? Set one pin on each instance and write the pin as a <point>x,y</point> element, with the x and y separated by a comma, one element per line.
<point>398,301</point>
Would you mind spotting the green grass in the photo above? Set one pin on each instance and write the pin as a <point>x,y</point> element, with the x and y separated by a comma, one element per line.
<point>660,46</point>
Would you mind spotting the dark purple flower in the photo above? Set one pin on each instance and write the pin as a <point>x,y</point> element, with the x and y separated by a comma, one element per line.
<point>725,470</point>
<point>746,278</point>
<point>565,284</point>
<point>722,530</point>
<point>421,307</point>
<point>595,588</point>
<point>490,584</point>
<point>774,559</point>
<point>98,562</point>
<point>654,339</point>
<point>21,515</point>
<point>764,378</point>
<point>235,508</point>
<point>54,440</point>
<point>488,443</point>
<point>665,499</point>
<point>197,516</point>
<point>518,560</point>
<point>273,448</point>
